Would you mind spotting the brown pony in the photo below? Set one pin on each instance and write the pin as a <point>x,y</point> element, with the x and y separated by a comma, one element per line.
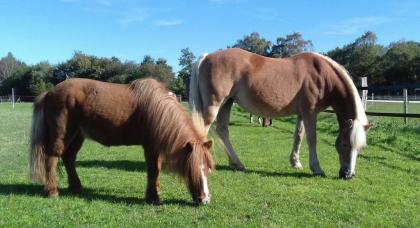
<point>141,113</point>
<point>304,85</point>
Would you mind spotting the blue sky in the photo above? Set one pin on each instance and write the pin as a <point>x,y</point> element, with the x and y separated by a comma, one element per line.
<point>52,30</point>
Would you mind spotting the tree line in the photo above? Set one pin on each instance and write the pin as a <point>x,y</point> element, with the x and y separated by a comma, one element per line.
<point>396,63</point>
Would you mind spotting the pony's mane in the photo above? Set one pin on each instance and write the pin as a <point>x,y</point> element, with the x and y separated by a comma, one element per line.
<point>169,126</point>
<point>358,135</point>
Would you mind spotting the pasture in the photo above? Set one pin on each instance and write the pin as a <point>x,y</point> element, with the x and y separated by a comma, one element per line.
<point>384,193</point>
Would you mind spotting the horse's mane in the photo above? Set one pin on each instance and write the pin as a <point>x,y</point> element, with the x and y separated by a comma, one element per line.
<point>169,127</point>
<point>358,135</point>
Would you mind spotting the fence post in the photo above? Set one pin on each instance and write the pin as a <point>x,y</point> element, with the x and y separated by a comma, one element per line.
<point>363,83</point>
<point>13,98</point>
<point>373,97</point>
<point>405,105</point>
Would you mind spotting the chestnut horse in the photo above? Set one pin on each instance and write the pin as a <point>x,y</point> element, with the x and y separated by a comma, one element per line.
<point>304,85</point>
<point>141,113</point>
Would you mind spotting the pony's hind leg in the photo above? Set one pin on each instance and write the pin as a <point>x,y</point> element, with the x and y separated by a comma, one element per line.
<point>222,129</point>
<point>69,160</point>
<point>51,184</point>
<point>297,140</point>
<point>309,120</point>
<point>153,164</point>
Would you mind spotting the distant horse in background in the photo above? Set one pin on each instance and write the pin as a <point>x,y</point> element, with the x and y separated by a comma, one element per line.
<point>265,122</point>
<point>141,113</point>
<point>304,84</point>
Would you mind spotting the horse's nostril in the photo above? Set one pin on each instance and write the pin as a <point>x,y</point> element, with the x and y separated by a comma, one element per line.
<point>345,174</point>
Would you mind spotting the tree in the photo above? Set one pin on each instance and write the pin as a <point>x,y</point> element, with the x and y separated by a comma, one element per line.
<point>254,43</point>
<point>181,83</point>
<point>156,69</point>
<point>8,66</point>
<point>290,45</point>
<point>361,58</point>
<point>400,63</point>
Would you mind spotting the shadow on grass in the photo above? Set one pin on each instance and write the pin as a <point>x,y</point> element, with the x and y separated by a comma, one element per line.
<point>126,165</point>
<point>88,195</point>
<point>296,174</point>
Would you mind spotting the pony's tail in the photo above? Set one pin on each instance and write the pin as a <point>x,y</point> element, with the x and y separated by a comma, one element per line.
<point>195,100</point>
<point>37,142</point>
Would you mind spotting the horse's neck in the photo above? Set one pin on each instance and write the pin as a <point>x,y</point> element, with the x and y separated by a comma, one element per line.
<point>344,107</point>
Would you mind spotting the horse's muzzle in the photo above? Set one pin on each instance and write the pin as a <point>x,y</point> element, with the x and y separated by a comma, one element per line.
<point>345,174</point>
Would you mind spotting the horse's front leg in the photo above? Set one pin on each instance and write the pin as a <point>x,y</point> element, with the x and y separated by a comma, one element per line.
<point>309,120</point>
<point>297,140</point>
<point>153,164</point>
<point>223,131</point>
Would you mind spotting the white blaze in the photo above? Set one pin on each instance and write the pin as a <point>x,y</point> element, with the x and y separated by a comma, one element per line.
<point>206,199</point>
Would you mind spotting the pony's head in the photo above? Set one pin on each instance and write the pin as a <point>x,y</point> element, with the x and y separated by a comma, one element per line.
<point>197,167</point>
<point>351,139</point>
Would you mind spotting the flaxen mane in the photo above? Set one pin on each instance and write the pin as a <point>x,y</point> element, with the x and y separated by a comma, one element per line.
<point>170,126</point>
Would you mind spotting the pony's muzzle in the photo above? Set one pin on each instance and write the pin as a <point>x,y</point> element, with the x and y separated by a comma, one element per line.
<point>345,174</point>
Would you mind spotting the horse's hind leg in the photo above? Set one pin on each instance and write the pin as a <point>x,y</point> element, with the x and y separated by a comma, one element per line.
<point>153,164</point>
<point>223,131</point>
<point>69,160</point>
<point>309,120</point>
<point>297,140</point>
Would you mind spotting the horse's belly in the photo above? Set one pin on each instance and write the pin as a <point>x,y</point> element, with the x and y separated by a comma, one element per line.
<point>271,107</point>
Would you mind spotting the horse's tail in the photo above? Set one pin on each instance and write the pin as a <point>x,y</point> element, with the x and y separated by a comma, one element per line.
<point>195,100</point>
<point>358,135</point>
<point>38,140</point>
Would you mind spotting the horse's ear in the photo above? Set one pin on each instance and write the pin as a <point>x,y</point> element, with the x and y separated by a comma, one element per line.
<point>349,123</point>
<point>367,127</point>
<point>208,144</point>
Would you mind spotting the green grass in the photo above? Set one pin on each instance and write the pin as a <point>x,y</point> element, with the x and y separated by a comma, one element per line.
<point>385,192</point>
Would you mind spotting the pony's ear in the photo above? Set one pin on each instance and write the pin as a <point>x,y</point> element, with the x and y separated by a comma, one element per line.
<point>367,127</point>
<point>349,123</point>
<point>208,144</point>
<point>189,147</point>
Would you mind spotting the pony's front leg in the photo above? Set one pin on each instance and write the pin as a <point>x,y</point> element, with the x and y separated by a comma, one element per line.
<point>153,164</point>
<point>309,121</point>
<point>297,140</point>
<point>222,129</point>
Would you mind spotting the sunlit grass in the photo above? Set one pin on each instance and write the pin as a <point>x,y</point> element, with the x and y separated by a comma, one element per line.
<point>385,191</point>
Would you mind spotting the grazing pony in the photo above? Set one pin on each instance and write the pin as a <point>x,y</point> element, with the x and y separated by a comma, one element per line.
<point>304,85</point>
<point>141,113</point>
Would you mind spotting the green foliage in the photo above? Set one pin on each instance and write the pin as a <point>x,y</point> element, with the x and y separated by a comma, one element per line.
<point>270,193</point>
<point>254,43</point>
<point>186,61</point>
<point>396,64</point>
<point>290,45</point>
<point>33,80</point>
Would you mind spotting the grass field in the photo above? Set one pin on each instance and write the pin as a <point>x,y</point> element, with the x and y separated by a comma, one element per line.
<point>385,192</point>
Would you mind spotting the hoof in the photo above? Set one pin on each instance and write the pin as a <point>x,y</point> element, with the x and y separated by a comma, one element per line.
<point>153,201</point>
<point>297,166</point>
<point>53,195</point>
<point>320,174</point>
<point>237,167</point>
<point>75,190</point>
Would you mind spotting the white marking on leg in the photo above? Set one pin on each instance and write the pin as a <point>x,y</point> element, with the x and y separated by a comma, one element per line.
<point>353,157</point>
<point>206,199</point>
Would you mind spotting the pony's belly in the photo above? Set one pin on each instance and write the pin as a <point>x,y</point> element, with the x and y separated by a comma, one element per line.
<point>112,136</point>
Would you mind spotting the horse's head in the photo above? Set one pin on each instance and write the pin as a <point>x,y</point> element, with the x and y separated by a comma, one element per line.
<point>198,166</point>
<point>351,139</point>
